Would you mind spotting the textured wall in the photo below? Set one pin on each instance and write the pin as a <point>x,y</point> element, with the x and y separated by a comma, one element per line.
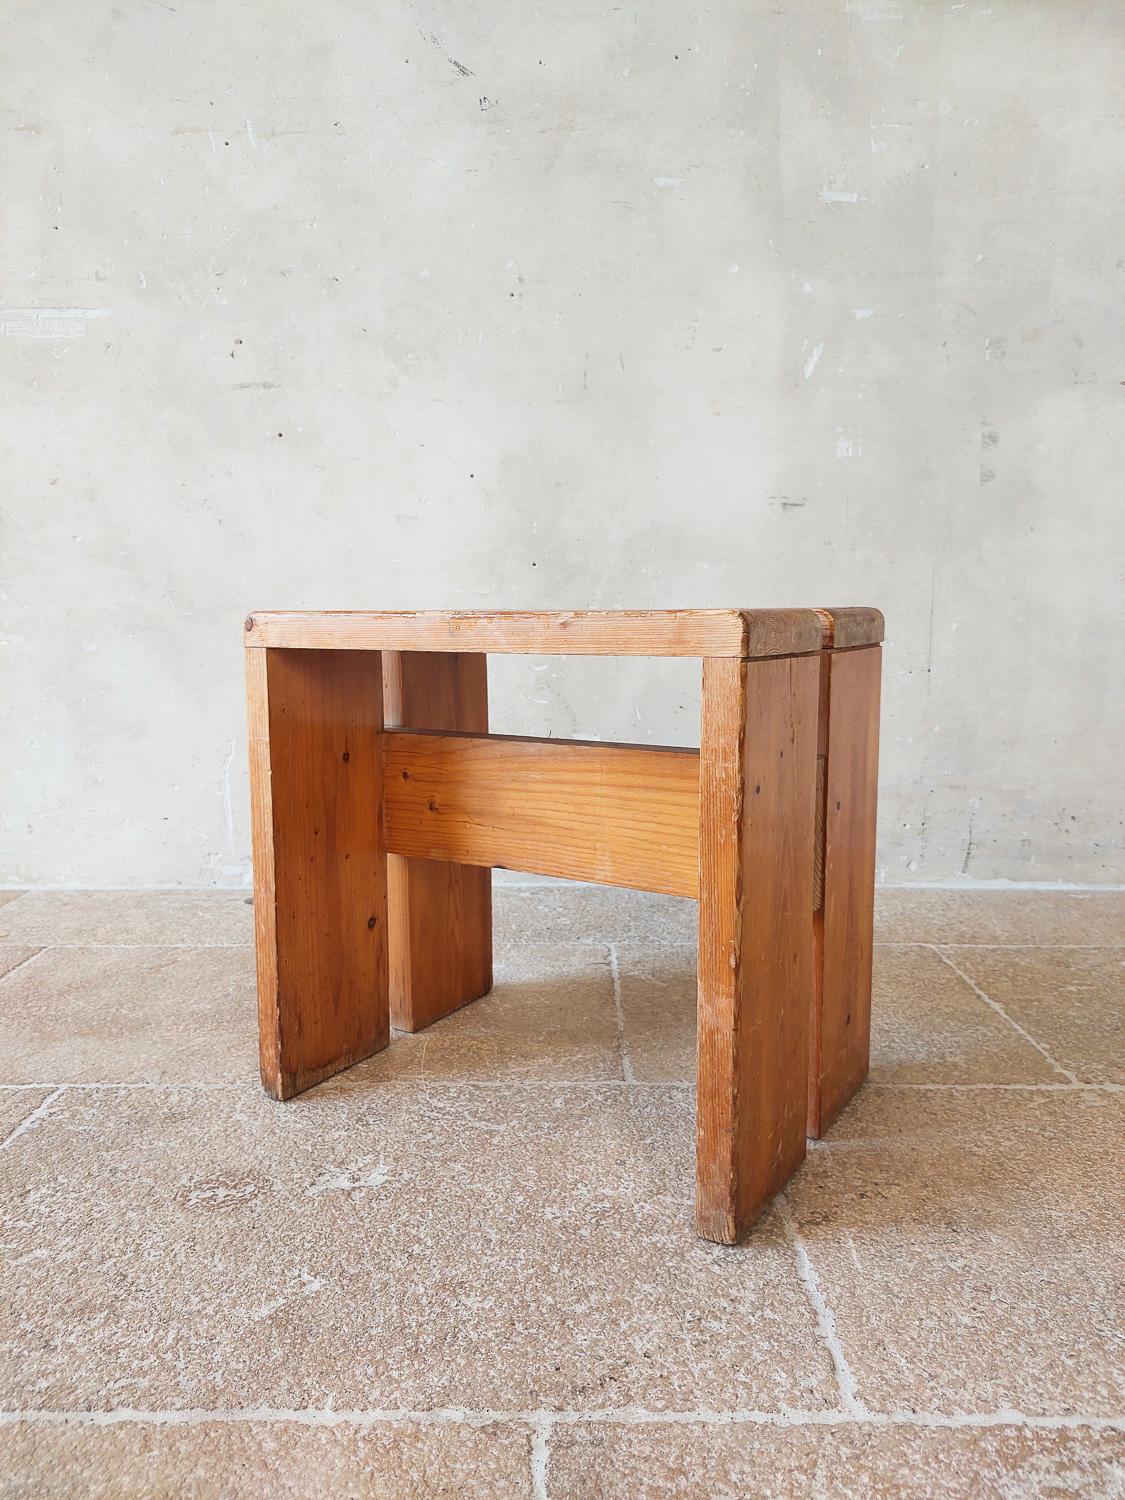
<point>515,304</point>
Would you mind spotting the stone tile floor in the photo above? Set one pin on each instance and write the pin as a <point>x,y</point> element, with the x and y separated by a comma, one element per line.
<point>467,1268</point>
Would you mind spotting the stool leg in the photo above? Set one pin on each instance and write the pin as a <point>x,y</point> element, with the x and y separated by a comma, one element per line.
<point>757,793</point>
<point>840,1035</point>
<point>320,884</point>
<point>440,913</point>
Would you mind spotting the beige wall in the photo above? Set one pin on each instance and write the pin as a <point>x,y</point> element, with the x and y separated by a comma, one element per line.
<point>369,305</point>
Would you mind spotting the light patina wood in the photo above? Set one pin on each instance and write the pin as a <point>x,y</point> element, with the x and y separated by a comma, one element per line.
<point>625,632</point>
<point>615,814</point>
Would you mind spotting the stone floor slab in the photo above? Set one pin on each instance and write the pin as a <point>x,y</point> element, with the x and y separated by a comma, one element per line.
<point>592,914</point>
<point>131,1015</point>
<point>968,1244</point>
<point>914,914</point>
<point>928,1025</point>
<point>1072,1001</point>
<point>123,917</point>
<point>391,1247</point>
<point>658,1008</point>
<point>488,1219</point>
<point>16,1105</point>
<point>188,1015</point>
<point>11,957</point>
<point>285,1460</point>
<point>549,1015</point>
<point>697,1461</point>
<point>573,912</point>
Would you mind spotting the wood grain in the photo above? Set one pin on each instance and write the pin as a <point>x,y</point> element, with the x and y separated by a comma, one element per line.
<point>440,914</point>
<point>844,628</point>
<point>617,814</point>
<point>756,815</point>
<point>320,921</point>
<point>660,632</point>
<point>841,1022</point>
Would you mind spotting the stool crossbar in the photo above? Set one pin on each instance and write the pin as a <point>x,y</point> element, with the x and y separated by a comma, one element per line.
<point>380,803</point>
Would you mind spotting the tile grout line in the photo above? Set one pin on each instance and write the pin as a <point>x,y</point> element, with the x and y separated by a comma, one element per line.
<point>1000,1011</point>
<point>542,1421</point>
<point>35,1118</point>
<point>1083,947</point>
<point>1104,1087</point>
<point>44,946</point>
<point>540,1457</point>
<point>23,961</point>
<point>825,1320</point>
<point>627,1073</point>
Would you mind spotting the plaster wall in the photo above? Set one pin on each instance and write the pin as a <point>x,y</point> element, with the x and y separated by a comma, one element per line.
<point>523,305</point>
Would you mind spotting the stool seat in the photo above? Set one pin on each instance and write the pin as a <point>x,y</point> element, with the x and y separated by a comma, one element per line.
<point>380,804</point>
<point>624,632</point>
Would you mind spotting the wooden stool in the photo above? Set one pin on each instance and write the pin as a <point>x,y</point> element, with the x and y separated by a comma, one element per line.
<point>380,801</point>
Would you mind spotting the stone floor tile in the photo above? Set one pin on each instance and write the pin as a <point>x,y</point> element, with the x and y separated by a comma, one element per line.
<point>188,1015</point>
<point>164,917</point>
<point>11,957</point>
<point>569,912</point>
<point>694,1461</point>
<point>929,1026</point>
<point>15,1106</point>
<point>590,913</point>
<point>130,1015</point>
<point>496,1248</point>
<point>915,914</point>
<point>550,1015</point>
<point>658,1006</point>
<point>214,1460</point>
<point>968,1244</point>
<point>903,914</point>
<point>1071,1000</point>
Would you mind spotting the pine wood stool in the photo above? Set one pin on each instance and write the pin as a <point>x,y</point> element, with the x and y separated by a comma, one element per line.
<point>380,801</point>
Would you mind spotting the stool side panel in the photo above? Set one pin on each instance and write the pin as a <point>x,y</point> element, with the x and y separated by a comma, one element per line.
<point>263,864</point>
<point>844,985</point>
<point>320,865</point>
<point>757,810</point>
<point>440,913</point>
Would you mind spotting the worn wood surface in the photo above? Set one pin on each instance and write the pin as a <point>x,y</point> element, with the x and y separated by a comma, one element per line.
<point>756,793</point>
<point>656,632</point>
<point>843,943</point>
<point>846,627</point>
<point>320,919</point>
<point>439,914</point>
<point>617,814</point>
